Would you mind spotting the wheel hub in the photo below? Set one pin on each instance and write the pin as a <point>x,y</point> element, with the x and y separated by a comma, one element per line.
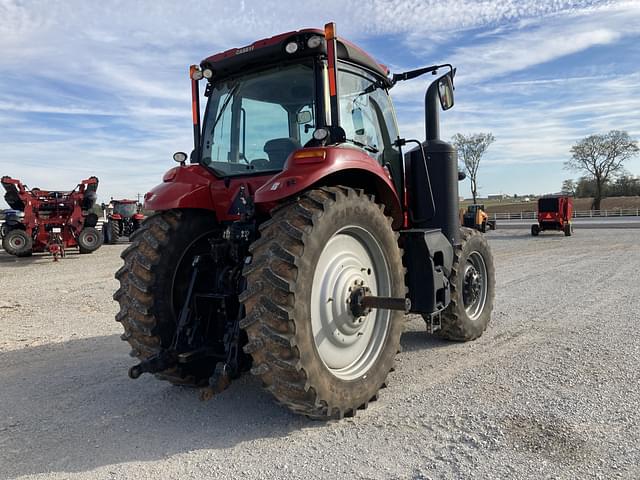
<point>474,285</point>
<point>358,311</point>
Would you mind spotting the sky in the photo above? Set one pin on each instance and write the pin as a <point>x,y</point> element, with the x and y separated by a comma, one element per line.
<point>90,88</point>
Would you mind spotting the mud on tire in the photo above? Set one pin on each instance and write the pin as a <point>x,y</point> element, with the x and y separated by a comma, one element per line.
<point>465,319</point>
<point>280,317</point>
<point>146,295</point>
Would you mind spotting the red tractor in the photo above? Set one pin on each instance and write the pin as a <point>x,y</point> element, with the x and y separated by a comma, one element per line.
<point>554,213</point>
<point>50,220</point>
<point>123,218</point>
<point>302,231</point>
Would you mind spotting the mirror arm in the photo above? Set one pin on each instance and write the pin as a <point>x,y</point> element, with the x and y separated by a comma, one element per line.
<point>397,77</point>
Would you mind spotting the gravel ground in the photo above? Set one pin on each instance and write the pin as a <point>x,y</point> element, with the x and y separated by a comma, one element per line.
<point>550,391</point>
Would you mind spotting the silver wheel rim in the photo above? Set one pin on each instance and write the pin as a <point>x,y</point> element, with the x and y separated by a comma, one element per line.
<point>16,242</point>
<point>474,285</point>
<point>349,346</point>
<point>90,239</point>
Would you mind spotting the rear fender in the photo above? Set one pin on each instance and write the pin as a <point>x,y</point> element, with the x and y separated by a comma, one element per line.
<point>340,166</point>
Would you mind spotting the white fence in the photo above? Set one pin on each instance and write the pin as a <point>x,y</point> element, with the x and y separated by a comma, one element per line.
<point>531,215</point>
<point>98,225</point>
<point>623,212</point>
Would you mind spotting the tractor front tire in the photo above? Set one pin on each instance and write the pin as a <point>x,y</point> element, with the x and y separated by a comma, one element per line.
<point>311,351</point>
<point>17,242</point>
<point>535,229</point>
<point>567,230</point>
<point>89,240</point>
<point>153,279</point>
<point>472,289</point>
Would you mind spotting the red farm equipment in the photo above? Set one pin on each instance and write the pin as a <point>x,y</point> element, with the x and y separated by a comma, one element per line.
<point>302,231</point>
<point>50,220</point>
<point>554,213</point>
<point>123,218</point>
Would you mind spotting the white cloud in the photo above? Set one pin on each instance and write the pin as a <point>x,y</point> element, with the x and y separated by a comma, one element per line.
<point>120,68</point>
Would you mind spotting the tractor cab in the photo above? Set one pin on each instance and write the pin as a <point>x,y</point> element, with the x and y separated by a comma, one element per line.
<point>125,208</point>
<point>267,100</point>
<point>295,109</point>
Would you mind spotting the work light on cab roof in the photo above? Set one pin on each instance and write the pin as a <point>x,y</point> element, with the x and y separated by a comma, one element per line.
<point>276,250</point>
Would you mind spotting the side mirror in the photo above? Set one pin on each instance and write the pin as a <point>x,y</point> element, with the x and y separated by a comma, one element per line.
<point>304,117</point>
<point>445,91</point>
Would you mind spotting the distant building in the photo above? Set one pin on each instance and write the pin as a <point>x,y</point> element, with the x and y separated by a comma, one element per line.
<point>497,196</point>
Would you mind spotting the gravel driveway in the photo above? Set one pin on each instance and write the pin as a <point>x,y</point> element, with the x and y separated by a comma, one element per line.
<point>550,391</point>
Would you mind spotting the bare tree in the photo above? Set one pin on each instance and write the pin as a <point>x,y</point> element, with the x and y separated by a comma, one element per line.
<point>471,148</point>
<point>568,187</point>
<point>601,157</point>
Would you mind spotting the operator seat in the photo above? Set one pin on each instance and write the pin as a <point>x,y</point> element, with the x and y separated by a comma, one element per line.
<point>278,149</point>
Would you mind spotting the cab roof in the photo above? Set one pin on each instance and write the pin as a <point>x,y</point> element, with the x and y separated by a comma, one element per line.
<point>268,50</point>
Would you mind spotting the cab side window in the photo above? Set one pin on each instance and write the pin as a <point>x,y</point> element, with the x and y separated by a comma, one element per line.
<point>357,117</point>
<point>367,116</point>
<point>366,113</point>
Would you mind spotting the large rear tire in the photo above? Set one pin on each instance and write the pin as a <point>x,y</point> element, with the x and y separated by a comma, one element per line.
<point>17,242</point>
<point>89,240</point>
<point>311,352</point>
<point>153,279</point>
<point>472,289</point>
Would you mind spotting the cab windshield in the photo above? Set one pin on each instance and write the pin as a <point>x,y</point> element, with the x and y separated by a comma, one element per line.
<point>125,209</point>
<point>254,122</point>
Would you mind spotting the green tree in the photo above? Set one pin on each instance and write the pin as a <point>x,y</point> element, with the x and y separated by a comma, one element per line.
<point>601,157</point>
<point>471,148</point>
